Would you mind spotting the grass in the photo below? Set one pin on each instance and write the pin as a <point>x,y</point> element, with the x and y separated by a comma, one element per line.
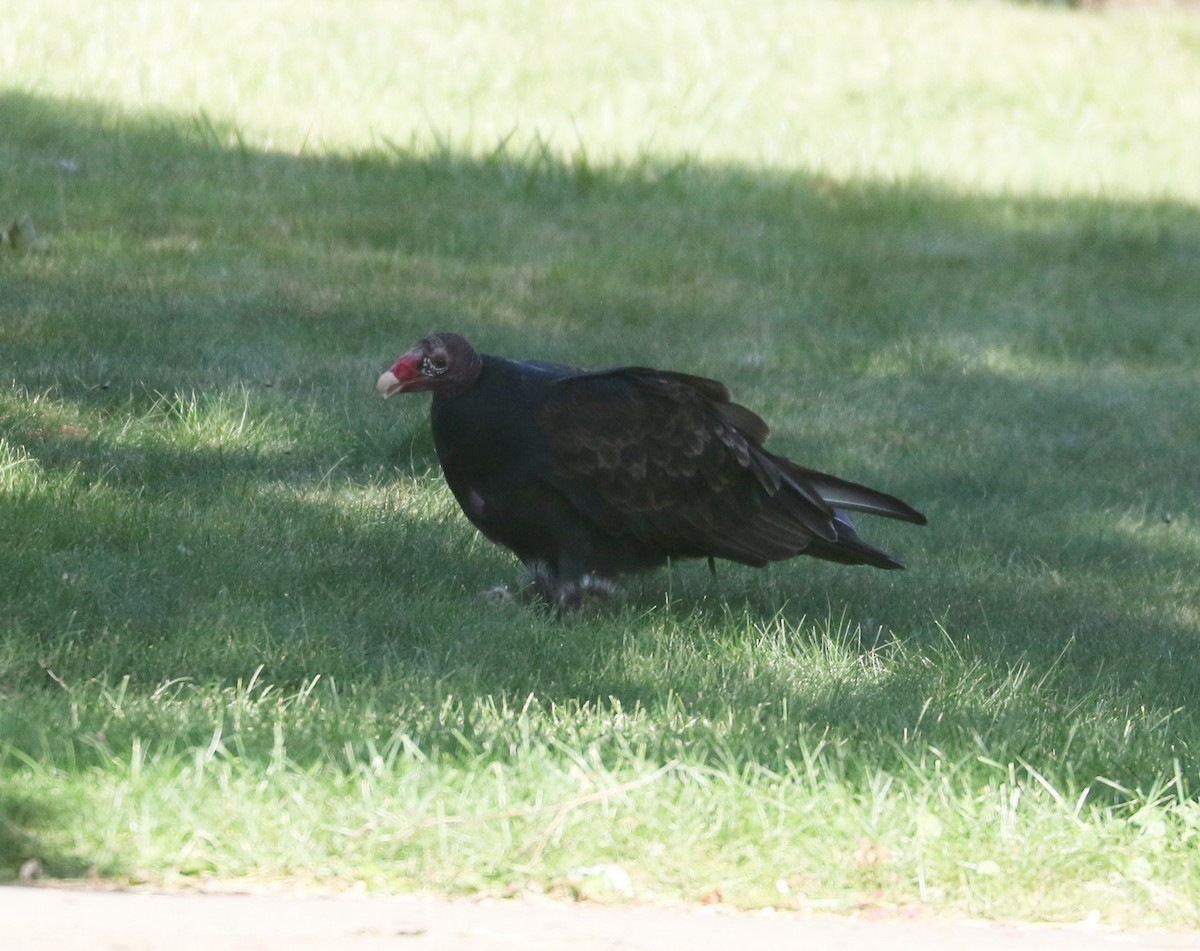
<point>945,249</point>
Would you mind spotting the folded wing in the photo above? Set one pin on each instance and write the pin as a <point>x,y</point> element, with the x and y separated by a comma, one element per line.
<point>669,460</point>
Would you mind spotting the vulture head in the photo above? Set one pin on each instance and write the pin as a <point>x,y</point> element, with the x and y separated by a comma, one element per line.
<point>444,363</point>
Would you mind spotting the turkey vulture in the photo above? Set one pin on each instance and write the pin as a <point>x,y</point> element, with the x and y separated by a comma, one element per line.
<point>589,475</point>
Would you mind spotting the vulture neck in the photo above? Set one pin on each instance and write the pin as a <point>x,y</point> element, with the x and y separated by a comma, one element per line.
<point>464,379</point>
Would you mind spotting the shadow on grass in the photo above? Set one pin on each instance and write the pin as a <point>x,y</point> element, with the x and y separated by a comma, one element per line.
<point>1010,364</point>
<point>26,832</point>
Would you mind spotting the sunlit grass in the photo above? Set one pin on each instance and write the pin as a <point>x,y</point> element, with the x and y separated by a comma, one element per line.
<point>984,96</point>
<point>316,786</point>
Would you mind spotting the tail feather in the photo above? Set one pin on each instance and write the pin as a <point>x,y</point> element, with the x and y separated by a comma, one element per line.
<point>850,549</point>
<point>841,494</point>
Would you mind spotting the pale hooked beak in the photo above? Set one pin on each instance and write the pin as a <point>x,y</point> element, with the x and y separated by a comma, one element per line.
<point>388,384</point>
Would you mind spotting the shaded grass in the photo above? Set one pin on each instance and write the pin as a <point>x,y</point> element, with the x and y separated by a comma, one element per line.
<point>240,633</point>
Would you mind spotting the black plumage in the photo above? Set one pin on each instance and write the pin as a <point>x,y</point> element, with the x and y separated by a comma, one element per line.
<point>589,475</point>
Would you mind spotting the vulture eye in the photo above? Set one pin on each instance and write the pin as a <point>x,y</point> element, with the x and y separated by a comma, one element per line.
<point>435,364</point>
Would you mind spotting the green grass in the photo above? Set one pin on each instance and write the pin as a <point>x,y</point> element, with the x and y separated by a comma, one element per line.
<point>947,249</point>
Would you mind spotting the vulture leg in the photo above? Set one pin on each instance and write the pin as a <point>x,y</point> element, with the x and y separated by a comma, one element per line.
<point>568,588</point>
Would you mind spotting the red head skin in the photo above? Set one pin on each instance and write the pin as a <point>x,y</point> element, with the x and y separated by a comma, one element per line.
<point>404,376</point>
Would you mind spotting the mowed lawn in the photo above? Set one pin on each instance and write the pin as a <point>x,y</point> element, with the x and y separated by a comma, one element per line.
<point>951,250</point>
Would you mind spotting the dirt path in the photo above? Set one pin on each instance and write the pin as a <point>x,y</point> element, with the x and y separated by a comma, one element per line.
<point>59,919</point>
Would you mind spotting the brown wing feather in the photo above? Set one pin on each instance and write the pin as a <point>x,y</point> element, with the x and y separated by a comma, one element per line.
<point>668,459</point>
